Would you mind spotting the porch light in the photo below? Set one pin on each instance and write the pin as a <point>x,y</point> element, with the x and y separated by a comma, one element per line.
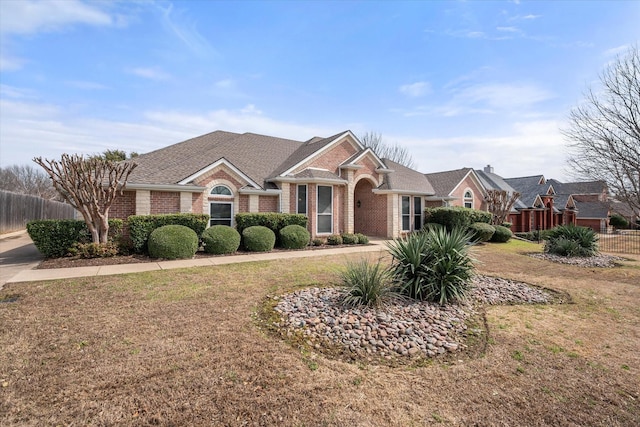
<point>358,204</point>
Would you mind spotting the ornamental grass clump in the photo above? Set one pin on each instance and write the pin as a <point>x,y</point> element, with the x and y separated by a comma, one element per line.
<point>367,284</point>
<point>571,240</point>
<point>434,265</point>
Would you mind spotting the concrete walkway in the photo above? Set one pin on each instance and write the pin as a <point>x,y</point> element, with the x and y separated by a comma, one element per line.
<point>29,274</point>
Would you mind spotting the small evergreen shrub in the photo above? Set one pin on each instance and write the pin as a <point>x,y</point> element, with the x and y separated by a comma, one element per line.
<point>294,237</point>
<point>434,265</point>
<point>362,239</point>
<point>571,240</point>
<point>93,250</point>
<point>55,237</point>
<point>502,234</point>
<point>366,284</point>
<point>452,217</point>
<point>258,239</point>
<point>482,232</point>
<point>221,239</point>
<point>141,226</point>
<point>349,239</point>
<point>318,241</point>
<point>173,242</point>
<point>272,220</point>
<point>618,221</point>
<point>334,240</point>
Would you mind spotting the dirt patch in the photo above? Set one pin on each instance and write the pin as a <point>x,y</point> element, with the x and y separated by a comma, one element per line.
<point>181,347</point>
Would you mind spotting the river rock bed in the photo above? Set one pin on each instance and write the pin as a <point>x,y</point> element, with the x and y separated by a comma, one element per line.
<point>600,260</point>
<point>401,327</point>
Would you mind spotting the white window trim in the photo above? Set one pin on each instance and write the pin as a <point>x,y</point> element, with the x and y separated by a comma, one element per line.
<point>402,214</point>
<point>232,224</point>
<point>306,199</point>
<point>465,199</point>
<point>228,196</point>
<point>318,214</point>
<point>421,213</point>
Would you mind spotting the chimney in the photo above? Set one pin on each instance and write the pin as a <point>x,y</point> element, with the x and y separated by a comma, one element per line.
<point>488,169</point>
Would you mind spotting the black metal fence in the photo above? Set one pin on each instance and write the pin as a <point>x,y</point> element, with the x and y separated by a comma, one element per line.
<point>16,210</point>
<point>620,241</point>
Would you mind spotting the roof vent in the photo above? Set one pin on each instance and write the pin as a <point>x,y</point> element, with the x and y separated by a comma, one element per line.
<point>488,169</point>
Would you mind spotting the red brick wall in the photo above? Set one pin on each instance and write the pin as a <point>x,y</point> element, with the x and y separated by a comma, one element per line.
<point>123,205</point>
<point>371,217</point>
<point>331,159</point>
<point>268,204</point>
<point>591,223</point>
<point>165,202</point>
<point>468,183</point>
<point>243,204</point>
<point>293,198</point>
<point>219,174</point>
<point>197,200</point>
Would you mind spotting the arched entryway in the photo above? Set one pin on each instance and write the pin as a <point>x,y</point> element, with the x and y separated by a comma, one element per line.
<point>370,210</point>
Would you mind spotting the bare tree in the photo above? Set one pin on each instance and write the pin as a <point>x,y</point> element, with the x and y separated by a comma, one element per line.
<point>499,204</point>
<point>115,155</point>
<point>394,152</point>
<point>89,185</point>
<point>26,179</point>
<point>604,131</point>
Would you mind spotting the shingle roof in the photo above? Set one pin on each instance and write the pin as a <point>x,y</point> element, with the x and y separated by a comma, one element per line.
<point>529,188</point>
<point>593,209</point>
<point>255,155</point>
<point>302,152</point>
<point>445,182</point>
<point>586,187</point>
<point>405,179</point>
<point>492,181</point>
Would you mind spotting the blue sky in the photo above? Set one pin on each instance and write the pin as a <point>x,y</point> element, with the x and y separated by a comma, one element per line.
<point>459,84</point>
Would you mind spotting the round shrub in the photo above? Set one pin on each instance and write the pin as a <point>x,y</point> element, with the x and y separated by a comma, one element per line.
<point>221,239</point>
<point>258,239</point>
<point>318,241</point>
<point>618,221</point>
<point>173,242</point>
<point>502,234</point>
<point>294,237</point>
<point>349,239</point>
<point>334,240</point>
<point>362,239</point>
<point>482,232</point>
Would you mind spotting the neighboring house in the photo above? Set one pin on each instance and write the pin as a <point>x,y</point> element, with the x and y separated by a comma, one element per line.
<point>460,187</point>
<point>625,211</point>
<point>591,202</point>
<point>340,185</point>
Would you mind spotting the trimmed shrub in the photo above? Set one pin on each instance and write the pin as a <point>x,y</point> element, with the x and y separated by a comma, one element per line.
<point>502,234</point>
<point>258,239</point>
<point>272,220</point>
<point>93,250</point>
<point>362,239</point>
<point>349,239</point>
<point>294,237</point>
<point>618,221</point>
<point>173,242</point>
<point>452,217</point>
<point>141,226</point>
<point>55,237</point>
<point>366,284</point>
<point>434,265</point>
<point>334,240</point>
<point>571,240</point>
<point>318,241</point>
<point>221,239</point>
<point>482,232</point>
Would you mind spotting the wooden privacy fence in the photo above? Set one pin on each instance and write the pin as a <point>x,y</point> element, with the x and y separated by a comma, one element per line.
<point>16,210</point>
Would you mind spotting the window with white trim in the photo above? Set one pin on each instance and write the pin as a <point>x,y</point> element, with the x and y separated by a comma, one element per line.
<point>406,213</point>
<point>468,199</point>
<point>221,190</point>
<point>301,206</point>
<point>324,215</point>
<point>417,213</point>
<point>221,213</point>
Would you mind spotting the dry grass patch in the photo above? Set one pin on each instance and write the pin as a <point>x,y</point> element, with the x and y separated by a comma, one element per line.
<point>182,347</point>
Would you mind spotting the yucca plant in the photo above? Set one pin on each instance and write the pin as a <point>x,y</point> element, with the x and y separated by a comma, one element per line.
<point>585,241</point>
<point>433,265</point>
<point>366,283</point>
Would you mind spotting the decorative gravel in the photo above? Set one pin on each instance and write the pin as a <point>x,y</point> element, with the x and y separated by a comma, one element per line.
<point>600,260</point>
<point>403,327</point>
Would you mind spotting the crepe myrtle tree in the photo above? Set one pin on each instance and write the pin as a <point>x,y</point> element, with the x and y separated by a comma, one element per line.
<point>604,131</point>
<point>499,204</point>
<point>90,185</point>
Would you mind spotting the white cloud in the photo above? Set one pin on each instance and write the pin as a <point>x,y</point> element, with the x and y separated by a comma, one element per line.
<point>29,16</point>
<point>150,73</point>
<point>416,89</point>
<point>187,33</point>
<point>85,85</point>
<point>502,96</point>
<point>508,29</point>
<point>225,84</point>
<point>10,63</point>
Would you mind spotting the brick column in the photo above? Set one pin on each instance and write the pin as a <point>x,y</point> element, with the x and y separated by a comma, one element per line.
<point>393,215</point>
<point>349,196</point>
<point>254,203</point>
<point>285,199</point>
<point>186,205</point>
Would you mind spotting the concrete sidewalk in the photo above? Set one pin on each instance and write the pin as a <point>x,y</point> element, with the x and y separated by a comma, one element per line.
<point>65,273</point>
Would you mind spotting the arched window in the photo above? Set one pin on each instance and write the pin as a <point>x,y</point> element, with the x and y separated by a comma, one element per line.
<point>221,190</point>
<point>468,199</point>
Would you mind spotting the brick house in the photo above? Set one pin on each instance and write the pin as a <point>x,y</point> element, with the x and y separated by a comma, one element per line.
<point>459,187</point>
<point>339,184</point>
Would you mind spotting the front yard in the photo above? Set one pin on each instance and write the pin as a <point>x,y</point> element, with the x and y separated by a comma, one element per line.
<point>184,347</point>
